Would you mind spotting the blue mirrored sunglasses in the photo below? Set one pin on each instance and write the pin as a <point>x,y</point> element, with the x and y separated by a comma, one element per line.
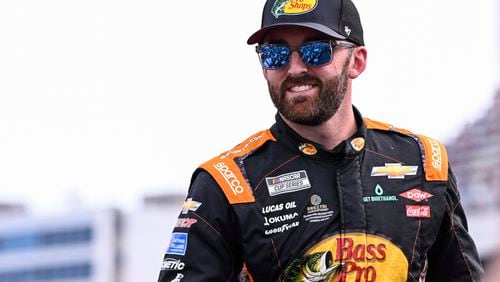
<point>314,53</point>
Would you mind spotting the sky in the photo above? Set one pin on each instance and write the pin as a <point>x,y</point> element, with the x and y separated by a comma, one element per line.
<point>104,102</point>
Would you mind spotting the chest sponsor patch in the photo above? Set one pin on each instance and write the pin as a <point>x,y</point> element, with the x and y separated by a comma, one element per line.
<point>351,257</point>
<point>317,211</point>
<point>278,207</point>
<point>379,196</point>
<point>282,228</point>
<point>277,222</point>
<point>418,211</point>
<point>178,244</point>
<point>280,219</point>
<point>287,183</point>
<point>394,170</point>
<point>416,195</point>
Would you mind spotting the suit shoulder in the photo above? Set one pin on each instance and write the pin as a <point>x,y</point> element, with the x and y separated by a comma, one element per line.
<point>382,126</point>
<point>229,174</point>
<point>434,156</point>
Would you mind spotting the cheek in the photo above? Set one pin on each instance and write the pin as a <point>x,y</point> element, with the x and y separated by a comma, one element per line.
<point>275,76</point>
<point>328,70</point>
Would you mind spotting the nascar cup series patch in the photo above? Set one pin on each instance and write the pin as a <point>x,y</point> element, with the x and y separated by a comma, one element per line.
<point>287,183</point>
<point>293,7</point>
<point>351,257</point>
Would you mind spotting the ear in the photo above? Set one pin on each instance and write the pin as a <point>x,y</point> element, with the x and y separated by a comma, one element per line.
<point>358,60</point>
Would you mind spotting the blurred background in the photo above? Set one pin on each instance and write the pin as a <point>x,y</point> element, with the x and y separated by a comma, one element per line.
<point>107,107</point>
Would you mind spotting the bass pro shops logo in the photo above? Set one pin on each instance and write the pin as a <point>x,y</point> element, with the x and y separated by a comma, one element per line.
<point>293,7</point>
<point>354,257</point>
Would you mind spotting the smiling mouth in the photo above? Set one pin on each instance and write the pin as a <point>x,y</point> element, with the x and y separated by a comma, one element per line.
<point>305,85</point>
<point>300,88</point>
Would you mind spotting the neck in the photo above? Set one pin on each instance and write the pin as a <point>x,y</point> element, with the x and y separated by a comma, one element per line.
<point>338,128</point>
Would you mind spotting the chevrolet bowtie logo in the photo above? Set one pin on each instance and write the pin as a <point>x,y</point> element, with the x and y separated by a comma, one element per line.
<point>394,170</point>
<point>190,205</point>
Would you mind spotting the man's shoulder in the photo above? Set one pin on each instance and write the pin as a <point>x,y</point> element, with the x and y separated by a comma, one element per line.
<point>371,124</point>
<point>245,147</point>
<point>225,168</point>
<point>433,152</point>
<point>386,128</point>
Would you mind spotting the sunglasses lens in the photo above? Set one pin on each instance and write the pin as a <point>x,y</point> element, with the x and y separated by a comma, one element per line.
<point>316,53</point>
<point>274,56</point>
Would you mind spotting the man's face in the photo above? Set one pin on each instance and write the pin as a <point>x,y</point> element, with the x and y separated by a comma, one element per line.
<point>303,94</point>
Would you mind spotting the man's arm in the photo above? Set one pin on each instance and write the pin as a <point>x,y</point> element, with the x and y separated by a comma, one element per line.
<point>205,244</point>
<point>454,257</point>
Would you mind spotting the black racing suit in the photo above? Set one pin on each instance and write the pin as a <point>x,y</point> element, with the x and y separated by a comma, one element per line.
<point>382,206</point>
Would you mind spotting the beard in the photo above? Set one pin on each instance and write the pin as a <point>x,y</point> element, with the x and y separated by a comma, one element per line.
<point>315,110</point>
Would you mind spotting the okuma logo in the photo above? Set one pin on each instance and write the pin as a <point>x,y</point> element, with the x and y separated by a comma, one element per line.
<point>293,7</point>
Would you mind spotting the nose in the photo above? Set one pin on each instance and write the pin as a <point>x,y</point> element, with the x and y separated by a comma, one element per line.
<point>296,66</point>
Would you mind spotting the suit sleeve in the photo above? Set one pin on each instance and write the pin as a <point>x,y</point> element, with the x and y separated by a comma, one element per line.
<point>205,243</point>
<point>454,256</point>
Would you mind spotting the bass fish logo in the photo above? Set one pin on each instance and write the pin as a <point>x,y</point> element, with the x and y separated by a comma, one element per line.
<point>293,7</point>
<point>354,257</point>
<point>314,267</point>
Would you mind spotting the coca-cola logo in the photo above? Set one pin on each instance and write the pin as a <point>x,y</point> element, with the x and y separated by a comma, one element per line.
<point>418,211</point>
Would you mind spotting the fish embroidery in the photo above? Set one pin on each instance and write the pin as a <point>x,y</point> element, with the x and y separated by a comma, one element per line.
<point>279,7</point>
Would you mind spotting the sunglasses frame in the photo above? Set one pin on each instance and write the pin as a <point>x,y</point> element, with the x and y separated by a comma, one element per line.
<point>333,43</point>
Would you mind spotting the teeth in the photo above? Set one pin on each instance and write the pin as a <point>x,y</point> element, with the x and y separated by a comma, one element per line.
<point>300,88</point>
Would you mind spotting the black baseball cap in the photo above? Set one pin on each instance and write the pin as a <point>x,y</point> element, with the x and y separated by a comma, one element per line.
<point>336,18</point>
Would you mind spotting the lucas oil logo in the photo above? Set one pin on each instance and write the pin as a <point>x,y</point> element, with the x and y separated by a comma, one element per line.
<point>293,7</point>
<point>352,257</point>
<point>287,183</point>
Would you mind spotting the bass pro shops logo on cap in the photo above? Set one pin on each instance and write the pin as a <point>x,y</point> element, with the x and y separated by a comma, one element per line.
<point>293,7</point>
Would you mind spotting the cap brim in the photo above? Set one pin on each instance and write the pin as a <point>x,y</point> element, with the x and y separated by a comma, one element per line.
<point>259,34</point>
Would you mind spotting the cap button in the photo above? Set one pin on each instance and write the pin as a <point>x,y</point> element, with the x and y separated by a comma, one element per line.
<point>308,149</point>
<point>358,143</point>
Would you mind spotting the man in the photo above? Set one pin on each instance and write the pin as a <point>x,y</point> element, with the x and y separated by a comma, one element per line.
<point>324,194</point>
